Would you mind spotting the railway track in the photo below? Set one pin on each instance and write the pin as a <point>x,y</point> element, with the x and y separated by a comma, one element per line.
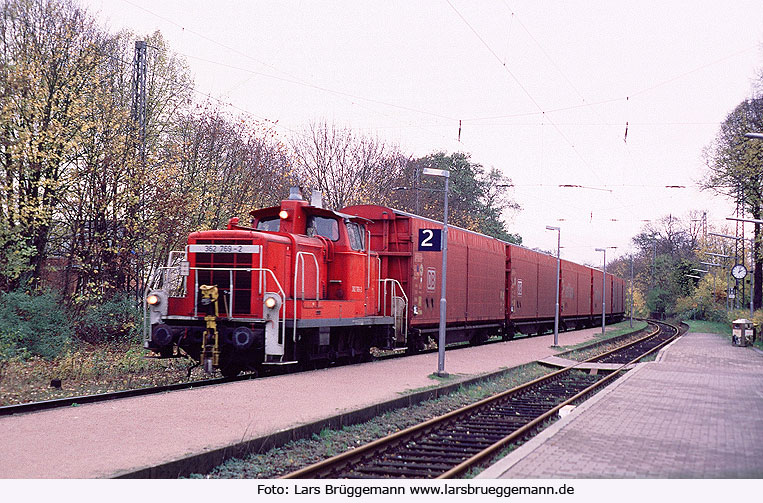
<point>448,446</point>
<point>114,395</point>
<point>7,410</point>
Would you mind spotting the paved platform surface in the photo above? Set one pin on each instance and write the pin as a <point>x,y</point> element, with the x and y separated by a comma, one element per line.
<point>113,438</point>
<point>697,412</point>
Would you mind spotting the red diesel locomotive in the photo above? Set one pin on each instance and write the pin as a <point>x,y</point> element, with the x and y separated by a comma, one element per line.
<point>302,284</point>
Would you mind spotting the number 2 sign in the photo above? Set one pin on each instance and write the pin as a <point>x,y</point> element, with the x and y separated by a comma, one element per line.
<point>430,240</point>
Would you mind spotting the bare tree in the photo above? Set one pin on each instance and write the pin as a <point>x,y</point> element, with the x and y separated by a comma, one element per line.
<point>347,168</point>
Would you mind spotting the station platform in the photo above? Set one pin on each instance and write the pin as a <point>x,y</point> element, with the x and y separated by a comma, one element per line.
<point>180,431</point>
<point>695,412</point>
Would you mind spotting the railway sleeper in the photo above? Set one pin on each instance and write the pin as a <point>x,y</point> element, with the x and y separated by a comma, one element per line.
<point>570,387</point>
<point>497,421</point>
<point>443,449</point>
<point>429,458</point>
<point>462,441</point>
<point>472,434</point>
<point>492,438</point>
<point>428,465</point>
<point>419,474</point>
<point>523,406</point>
<point>447,447</point>
<point>523,410</point>
<point>488,428</point>
<point>479,431</point>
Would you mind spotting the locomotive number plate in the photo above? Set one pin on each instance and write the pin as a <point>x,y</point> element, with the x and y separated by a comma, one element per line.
<point>224,248</point>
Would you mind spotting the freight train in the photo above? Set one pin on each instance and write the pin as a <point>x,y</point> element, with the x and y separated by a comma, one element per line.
<point>304,285</point>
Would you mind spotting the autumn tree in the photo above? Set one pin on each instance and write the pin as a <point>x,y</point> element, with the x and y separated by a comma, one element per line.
<point>663,262</point>
<point>476,201</point>
<point>51,52</point>
<point>106,224</point>
<point>735,170</point>
<point>218,167</point>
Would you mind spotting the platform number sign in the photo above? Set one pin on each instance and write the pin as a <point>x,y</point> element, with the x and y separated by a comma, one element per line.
<point>430,240</point>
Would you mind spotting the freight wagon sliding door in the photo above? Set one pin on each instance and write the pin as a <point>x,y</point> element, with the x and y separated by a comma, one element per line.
<point>546,286</point>
<point>524,284</point>
<point>458,277</point>
<point>596,288</point>
<point>487,279</point>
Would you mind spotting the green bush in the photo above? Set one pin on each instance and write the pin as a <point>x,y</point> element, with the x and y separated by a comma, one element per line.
<point>699,308</point>
<point>33,325</point>
<point>114,320</point>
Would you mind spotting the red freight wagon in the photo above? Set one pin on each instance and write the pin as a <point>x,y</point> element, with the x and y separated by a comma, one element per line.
<point>575,295</point>
<point>475,282</point>
<point>532,289</point>
<point>523,289</point>
<point>546,287</point>
<point>618,297</point>
<point>305,285</point>
<point>615,300</point>
<point>596,294</point>
<point>610,294</point>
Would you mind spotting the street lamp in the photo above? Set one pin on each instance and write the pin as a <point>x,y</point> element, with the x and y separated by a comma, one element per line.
<point>558,270</point>
<point>604,290</point>
<point>443,303</point>
<point>753,220</point>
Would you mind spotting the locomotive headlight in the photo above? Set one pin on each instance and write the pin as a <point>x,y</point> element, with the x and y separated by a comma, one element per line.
<point>157,305</point>
<point>283,214</point>
<point>271,302</point>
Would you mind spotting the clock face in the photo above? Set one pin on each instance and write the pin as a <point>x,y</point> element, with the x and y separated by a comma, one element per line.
<point>739,271</point>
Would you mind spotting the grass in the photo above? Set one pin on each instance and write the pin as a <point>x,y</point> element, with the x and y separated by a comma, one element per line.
<point>710,327</point>
<point>720,328</point>
<point>87,370</point>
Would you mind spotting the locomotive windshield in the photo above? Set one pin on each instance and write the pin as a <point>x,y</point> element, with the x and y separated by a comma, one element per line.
<point>271,224</point>
<point>356,235</point>
<point>322,226</point>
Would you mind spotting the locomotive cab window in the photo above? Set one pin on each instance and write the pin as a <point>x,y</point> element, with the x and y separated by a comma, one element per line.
<point>356,233</point>
<point>271,224</point>
<point>322,226</point>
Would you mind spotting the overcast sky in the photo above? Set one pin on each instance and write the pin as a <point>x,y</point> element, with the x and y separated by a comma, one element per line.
<point>543,89</point>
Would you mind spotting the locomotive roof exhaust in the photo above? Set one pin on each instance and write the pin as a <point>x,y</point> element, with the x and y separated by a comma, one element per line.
<point>316,199</point>
<point>295,194</point>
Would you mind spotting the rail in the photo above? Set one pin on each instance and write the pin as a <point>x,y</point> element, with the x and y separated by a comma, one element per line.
<point>350,461</point>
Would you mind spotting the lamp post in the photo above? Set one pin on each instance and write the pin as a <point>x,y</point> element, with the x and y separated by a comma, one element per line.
<point>558,271</point>
<point>443,303</point>
<point>604,290</point>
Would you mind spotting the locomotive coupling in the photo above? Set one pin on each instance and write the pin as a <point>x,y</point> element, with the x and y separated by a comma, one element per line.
<point>210,354</point>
